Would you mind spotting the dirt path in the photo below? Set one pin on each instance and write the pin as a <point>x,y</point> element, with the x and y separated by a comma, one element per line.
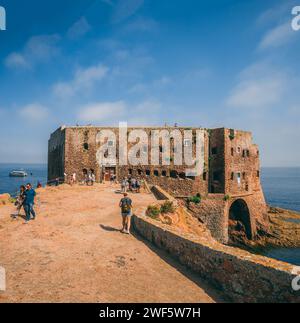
<point>74,252</point>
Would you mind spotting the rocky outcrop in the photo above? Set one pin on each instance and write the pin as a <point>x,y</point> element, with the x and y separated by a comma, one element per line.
<point>284,229</point>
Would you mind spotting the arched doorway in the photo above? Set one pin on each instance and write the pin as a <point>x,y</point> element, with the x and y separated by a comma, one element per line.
<point>239,227</point>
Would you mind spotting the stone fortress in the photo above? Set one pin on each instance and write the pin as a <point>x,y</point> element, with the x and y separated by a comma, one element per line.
<point>230,188</point>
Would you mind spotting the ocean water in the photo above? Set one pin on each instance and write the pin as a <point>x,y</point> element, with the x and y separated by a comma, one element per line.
<point>281,187</point>
<point>36,173</point>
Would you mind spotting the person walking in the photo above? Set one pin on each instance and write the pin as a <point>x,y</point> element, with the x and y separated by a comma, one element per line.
<point>133,184</point>
<point>93,177</point>
<point>138,185</point>
<point>74,178</point>
<point>29,203</point>
<point>20,201</point>
<point>124,185</point>
<point>112,179</point>
<point>126,212</point>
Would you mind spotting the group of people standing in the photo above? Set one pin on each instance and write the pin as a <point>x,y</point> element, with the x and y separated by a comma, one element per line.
<point>25,200</point>
<point>89,178</point>
<point>131,184</point>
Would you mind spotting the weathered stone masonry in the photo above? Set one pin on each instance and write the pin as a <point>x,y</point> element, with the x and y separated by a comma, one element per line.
<point>239,275</point>
<point>230,185</point>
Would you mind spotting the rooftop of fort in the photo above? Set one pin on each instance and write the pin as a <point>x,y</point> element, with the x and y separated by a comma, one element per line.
<point>154,127</point>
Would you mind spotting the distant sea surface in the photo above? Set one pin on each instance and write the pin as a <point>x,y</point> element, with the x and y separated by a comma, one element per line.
<point>36,173</point>
<point>281,187</point>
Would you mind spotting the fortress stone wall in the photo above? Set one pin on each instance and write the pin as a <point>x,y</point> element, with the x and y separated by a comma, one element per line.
<point>229,184</point>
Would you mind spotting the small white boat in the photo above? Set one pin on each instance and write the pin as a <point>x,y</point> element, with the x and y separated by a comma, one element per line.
<point>18,173</point>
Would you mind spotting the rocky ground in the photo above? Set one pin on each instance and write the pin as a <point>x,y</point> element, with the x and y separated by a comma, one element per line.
<point>74,252</point>
<point>284,228</point>
<point>283,231</point>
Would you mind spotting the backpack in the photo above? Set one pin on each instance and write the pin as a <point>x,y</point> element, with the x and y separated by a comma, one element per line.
<point>126,207</point>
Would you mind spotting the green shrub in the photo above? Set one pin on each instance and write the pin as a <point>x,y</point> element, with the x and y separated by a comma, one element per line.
<point>167,207</point>
<point>195,199</point>
<point>153,211</point>
<point>226,198</point>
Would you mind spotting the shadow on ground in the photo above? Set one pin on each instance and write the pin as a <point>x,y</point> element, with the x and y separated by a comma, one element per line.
<point>108,228</point>
<point>211,291</point>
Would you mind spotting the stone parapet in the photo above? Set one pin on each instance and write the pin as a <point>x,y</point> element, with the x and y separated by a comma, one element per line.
<point>240,275</point>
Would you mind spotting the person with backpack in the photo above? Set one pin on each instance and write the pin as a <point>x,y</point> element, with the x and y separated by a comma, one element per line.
<point>126,211</point>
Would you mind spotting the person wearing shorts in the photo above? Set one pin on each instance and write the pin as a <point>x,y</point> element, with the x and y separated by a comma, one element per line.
<point>126,212</point>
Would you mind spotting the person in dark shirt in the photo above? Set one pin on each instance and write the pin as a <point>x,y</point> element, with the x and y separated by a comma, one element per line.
<point>126,211</point>
<point>20,201</point>
<point>29,202</point>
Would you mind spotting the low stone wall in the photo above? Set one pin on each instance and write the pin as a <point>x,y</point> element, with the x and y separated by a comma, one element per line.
<point>239,275</point>
<point>161,194</point>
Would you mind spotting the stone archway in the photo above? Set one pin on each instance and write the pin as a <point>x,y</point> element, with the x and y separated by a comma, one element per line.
<point>239,226</point>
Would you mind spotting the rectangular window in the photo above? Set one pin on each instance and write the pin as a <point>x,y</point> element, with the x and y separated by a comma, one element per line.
<point>187,143</point>
<point>110,143</point>
<point>217,176</point>
<point>214,151</point>
<point>238,178</point>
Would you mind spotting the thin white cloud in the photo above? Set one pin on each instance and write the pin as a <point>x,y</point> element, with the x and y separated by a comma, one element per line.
<point>276,13</point>
<point>145,112</point>
<point>15,60</point>
<point>38,49</point>
<point>101,112</point>
<point>259,86</point>
<point>84,78</point>
<point>142,24</point>
<point>108,2</point>
<point>256,93</point>
<point>278,36</point>
<point>79,29</point>
<point>125,9</point>
<point>156,85</point>
<point>34,112</point>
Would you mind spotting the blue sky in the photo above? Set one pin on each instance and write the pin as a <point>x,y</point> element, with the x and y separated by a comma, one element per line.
<point>195,62</point>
